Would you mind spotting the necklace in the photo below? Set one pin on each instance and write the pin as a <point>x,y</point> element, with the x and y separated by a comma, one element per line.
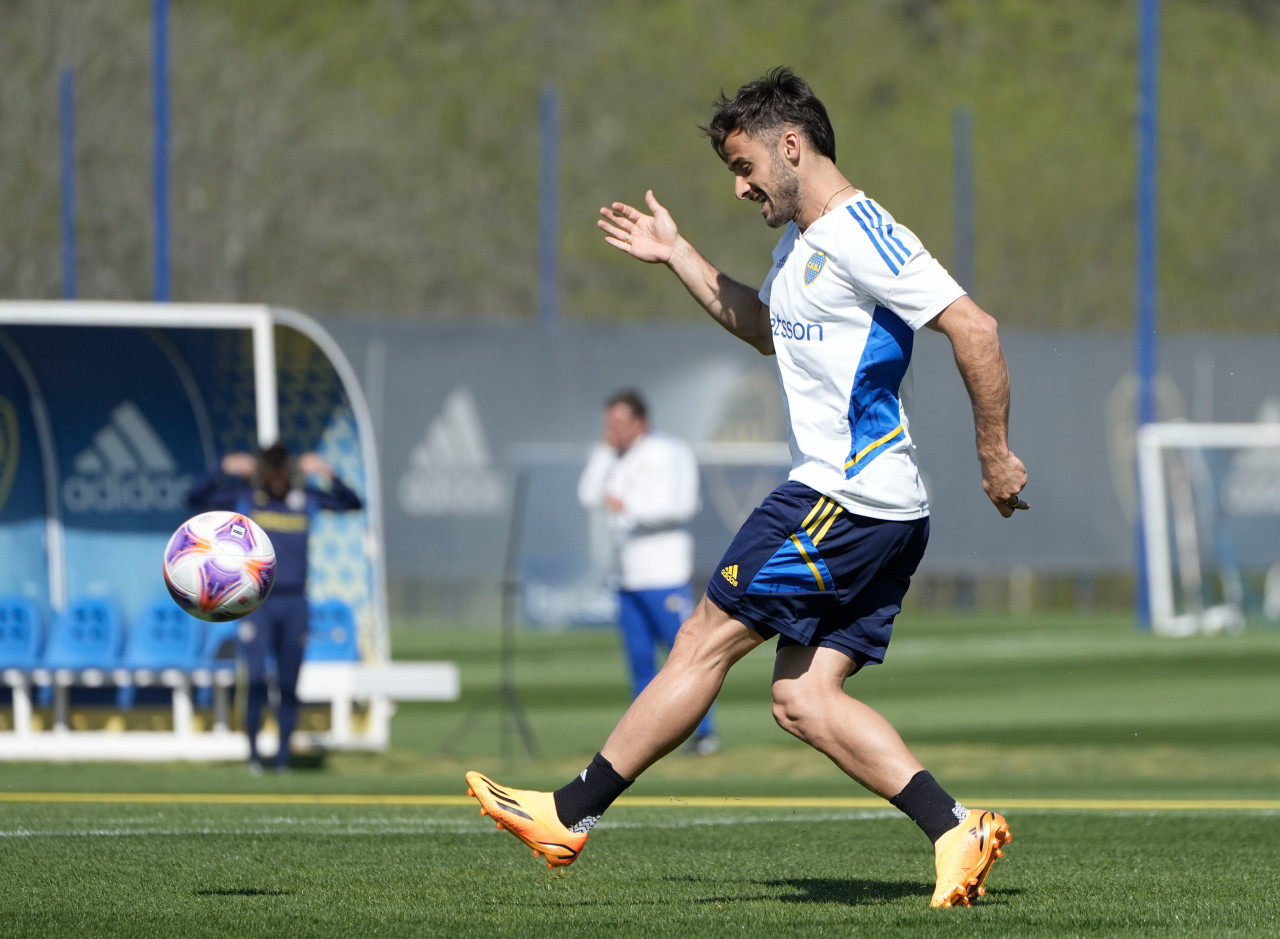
<point>833,195</point>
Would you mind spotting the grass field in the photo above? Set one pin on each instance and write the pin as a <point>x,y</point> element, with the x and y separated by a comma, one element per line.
<point>1141,778</point>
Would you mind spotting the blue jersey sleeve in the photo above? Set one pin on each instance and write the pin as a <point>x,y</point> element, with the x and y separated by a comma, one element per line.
<point>339,497</point>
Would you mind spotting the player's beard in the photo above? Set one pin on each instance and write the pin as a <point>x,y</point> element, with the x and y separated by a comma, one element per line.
<point>784,194</point>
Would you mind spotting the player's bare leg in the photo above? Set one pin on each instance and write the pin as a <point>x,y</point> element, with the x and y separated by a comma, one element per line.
<point>809,702</point>
<point>556,824</point>
<point>666,712</point>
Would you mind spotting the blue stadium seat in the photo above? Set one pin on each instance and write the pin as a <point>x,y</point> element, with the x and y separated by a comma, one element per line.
<point>217,661</point>
<point>20,634</point>
<point>333,636</point>
<point>83,649</point>
<point>86,635</point>
<point>164,637</point>
<point>162,641</point>
<point>220,643</point>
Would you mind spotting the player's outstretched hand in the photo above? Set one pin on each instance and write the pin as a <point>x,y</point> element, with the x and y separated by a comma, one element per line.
<point>650,238</point>
<point>240,464</point>
<point>1003,479</point>
<point>313,464</point>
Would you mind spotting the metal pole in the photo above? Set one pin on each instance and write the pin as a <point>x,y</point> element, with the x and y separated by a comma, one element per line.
<point>962,194</point>
<point>265,386</point>
<point>1147,256</point>
<point>549,207</point>
<point>67,154</point>
<point>160,80</point>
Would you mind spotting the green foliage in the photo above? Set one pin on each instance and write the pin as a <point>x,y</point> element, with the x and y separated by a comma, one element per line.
<point>383,157</point>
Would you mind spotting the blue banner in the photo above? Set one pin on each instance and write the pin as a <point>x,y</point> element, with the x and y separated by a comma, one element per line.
<point>128,445</point>
<point>22,491</point>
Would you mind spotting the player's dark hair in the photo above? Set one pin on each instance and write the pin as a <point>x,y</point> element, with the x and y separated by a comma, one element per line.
<point>275,457</point>
<point>631,398</point>
<point>781,98</point>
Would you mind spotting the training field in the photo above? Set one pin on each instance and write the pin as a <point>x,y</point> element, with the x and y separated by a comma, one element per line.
<point>1141,778</point>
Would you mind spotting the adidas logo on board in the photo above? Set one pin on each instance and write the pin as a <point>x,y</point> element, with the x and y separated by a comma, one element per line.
<point>125,468</point>
<point>451,471</point>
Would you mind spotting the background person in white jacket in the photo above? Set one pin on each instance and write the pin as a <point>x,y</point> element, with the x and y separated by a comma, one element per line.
<point>646,485</point>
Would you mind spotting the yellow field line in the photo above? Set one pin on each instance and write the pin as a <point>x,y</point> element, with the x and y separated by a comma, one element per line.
<point>719,802</point>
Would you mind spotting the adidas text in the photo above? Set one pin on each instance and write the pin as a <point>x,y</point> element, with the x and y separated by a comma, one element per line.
<point>125,468</point>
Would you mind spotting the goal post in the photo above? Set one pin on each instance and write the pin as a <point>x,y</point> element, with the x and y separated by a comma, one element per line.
<point>1210,506</point>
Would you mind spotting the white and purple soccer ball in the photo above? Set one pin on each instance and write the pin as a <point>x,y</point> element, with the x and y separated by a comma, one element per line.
<point>219,566</point>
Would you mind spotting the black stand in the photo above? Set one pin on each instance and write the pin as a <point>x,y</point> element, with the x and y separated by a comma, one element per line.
<point>511,719</point>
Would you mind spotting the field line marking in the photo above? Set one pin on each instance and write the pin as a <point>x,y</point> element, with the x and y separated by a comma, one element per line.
<point>726,802</point>
<point>230,798</point>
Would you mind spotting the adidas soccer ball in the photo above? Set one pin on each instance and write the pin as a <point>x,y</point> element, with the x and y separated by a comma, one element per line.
<point>219,566</point>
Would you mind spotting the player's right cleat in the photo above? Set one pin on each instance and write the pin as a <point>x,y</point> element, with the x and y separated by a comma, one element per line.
<point>530,816</point>
<point>964,857</point>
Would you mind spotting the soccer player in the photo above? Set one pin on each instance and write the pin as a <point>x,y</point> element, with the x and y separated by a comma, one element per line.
<point>646,485</point>
<point>284,510</point>
<point>825,561</point>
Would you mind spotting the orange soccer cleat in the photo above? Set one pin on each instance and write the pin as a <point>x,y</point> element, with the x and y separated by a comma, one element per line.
<point>964,857</point>
<point>530,816</point>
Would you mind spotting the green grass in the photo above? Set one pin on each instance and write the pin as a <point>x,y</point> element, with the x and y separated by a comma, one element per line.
<point>362,871</point>
<point>1008,714</point>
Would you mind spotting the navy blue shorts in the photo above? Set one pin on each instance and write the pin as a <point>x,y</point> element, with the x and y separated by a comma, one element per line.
<point>813,574</point>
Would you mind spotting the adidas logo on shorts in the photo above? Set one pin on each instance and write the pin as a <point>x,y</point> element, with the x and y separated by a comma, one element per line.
<point>730,574</point>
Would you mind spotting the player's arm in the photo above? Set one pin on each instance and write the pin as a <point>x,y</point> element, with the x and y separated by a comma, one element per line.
<point>212,493</point>
<point>339,497</point>
<point>223,488</point>
<point>656,240</point>
<point>976,344</point>
<point>732,304</point>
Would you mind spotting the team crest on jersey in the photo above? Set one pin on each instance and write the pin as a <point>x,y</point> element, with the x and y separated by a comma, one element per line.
<point>813,267</point>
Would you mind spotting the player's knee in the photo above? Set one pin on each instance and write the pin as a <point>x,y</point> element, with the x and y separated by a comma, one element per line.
<point>794,712</point>
<point>800,711</point>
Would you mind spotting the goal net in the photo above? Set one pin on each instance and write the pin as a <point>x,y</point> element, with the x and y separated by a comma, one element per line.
<point>1211,521</point>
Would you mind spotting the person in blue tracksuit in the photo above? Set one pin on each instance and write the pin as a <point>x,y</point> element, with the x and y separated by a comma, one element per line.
<point>264,489</point>
<point>644,484</point>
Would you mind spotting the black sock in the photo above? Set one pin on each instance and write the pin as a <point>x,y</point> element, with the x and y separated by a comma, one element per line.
<point>581,803</point>
<point>928,805</point>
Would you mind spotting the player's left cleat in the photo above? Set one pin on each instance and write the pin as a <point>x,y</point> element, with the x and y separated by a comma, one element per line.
<point>964,857</point>
<point>530,816</point>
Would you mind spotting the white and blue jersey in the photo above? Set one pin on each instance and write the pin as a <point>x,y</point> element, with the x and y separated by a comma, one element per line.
<point>845,298</point>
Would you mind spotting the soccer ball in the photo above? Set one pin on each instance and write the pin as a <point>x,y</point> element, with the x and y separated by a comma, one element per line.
<point>219,566</point>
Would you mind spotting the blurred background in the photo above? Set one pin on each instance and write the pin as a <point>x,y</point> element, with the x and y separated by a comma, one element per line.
<point>421,179</point>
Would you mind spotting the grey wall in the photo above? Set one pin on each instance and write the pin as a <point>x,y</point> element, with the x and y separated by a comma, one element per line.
<point>458,409</point>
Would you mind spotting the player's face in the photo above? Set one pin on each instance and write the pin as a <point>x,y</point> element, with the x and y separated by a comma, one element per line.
<point>621,427</point>
<point>764,177</point>
<point>276,482</point>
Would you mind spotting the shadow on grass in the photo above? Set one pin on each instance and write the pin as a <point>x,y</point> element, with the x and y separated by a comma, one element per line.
<point>849,892</point>
<point>844,890</point>
<point>827,890</point>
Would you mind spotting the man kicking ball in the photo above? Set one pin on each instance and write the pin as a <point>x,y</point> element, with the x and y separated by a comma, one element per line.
<point>825,561</point>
